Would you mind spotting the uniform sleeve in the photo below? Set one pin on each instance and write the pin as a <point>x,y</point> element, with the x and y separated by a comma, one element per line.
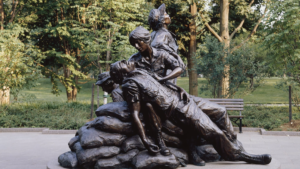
<point>131,91</point>
<point>171,62</point>
<point>161,41</point>
<point>117,95</point>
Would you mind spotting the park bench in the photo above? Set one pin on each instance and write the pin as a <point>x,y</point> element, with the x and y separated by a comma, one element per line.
<point>235,105</point>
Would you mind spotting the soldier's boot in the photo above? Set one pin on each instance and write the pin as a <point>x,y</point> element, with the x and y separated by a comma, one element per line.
<point>255,159</point>
<point>196,160</point>
<point>161,143</point>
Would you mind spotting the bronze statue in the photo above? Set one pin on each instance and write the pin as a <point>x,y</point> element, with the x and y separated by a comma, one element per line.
<point>163,61</point>
<point>140,88</point>
<point>119,135</point>
<point>161,37</point>
<point>109,86</point>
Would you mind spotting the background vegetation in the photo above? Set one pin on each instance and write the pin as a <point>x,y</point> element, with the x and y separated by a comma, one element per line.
<point>251,54</point>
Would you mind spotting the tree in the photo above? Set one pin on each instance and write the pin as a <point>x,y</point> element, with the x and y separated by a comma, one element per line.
<point>80,36</point>
<point>283,39</point>
<point>19,58</point>
<point>247,66</point>
<point>19,63</point>
<point>244,9</point>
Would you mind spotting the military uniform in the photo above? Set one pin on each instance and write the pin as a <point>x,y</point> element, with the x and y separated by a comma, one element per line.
<point>117,95</point>
<point>140,86</point>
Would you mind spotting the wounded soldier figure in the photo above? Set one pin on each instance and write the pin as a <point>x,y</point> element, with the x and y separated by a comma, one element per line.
<point>140,88</point>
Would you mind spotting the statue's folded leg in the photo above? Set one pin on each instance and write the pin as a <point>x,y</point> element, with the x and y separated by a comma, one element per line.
<point>156,126</point>
<point>198,122</point>
<point>218,115</point>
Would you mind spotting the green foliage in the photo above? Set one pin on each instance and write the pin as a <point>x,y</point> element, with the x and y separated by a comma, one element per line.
<point>19,60</point>
<point>283,37</point>
<point>45,114</point>
<point>82,37</point>
<point>268,118</point>
<point>246,66</point>
<point>284,85</point>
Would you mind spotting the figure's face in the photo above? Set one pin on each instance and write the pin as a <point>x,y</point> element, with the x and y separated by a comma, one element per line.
<point>167,19</point>
<point>140,45</point>
<point>126,66</point>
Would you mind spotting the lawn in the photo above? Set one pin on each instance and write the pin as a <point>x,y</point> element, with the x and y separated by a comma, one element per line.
<point>48,110</point>
<point>43,92</point>
<point>266,93</point>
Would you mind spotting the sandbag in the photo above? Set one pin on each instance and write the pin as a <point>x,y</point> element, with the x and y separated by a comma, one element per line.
<point>120,161</point>
<point>68,160</point>
<point>180,154</point>
<point>115,109</point>
<point>113,125</point>
<point>90,156</point>
<point>72,142</point>
<point>133,142</point>
<point>91,137</point>
<point>145,161</point>
<point>208,153</point>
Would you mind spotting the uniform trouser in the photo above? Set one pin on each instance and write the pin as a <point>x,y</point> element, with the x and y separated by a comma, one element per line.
<point>195,122</point>
<point>217,114</point>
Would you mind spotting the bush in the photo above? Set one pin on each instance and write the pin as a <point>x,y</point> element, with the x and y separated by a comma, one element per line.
<point>43,114</point>
<point>266,117</point>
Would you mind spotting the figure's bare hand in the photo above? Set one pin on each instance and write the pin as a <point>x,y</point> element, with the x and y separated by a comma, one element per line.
<point>152,148</point>
<point>158,78</point>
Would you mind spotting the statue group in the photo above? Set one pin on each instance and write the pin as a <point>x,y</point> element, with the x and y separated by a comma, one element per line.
<point>152,122</point>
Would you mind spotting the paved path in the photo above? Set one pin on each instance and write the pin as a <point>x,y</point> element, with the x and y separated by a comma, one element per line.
<point>34,150</point>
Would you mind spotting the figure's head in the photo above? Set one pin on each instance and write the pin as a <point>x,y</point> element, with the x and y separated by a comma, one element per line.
<point>120,69</point>
<point>158,18</point>
<point>140,38</point>
<point>106,82</point>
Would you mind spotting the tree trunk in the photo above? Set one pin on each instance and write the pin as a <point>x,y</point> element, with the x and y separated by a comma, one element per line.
<point>108,53</point>
<point>224,34</point>
<point>193,81</point>
<point>251,81</point>
<point>4,96</point>
<point>2,15</point>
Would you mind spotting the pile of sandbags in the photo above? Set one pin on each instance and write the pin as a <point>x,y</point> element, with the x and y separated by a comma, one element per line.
<point>110,141</point>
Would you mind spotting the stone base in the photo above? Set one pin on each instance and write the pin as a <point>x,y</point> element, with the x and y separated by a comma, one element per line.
<point>53,164</point>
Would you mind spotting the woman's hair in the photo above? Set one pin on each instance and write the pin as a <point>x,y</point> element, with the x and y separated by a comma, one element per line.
<point>156,18</point>
<point>140,33</point>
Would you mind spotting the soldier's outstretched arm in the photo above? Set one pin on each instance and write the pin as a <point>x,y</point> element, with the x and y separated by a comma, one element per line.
<point>174,74</point>
<point>135,108</point>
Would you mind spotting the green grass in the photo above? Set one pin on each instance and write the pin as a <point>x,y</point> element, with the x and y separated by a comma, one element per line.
<point>264,94</point>
<point>43,92</point>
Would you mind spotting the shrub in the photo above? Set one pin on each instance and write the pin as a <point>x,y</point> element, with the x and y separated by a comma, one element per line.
<point>266,117</point>
<point>51,115</point>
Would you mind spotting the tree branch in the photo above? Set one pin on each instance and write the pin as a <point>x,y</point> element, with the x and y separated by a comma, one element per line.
<point>14,13</point>
<point>211,29</point>
<point>252,33</point>
<point>200,32</point>
<point>241,24</point>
